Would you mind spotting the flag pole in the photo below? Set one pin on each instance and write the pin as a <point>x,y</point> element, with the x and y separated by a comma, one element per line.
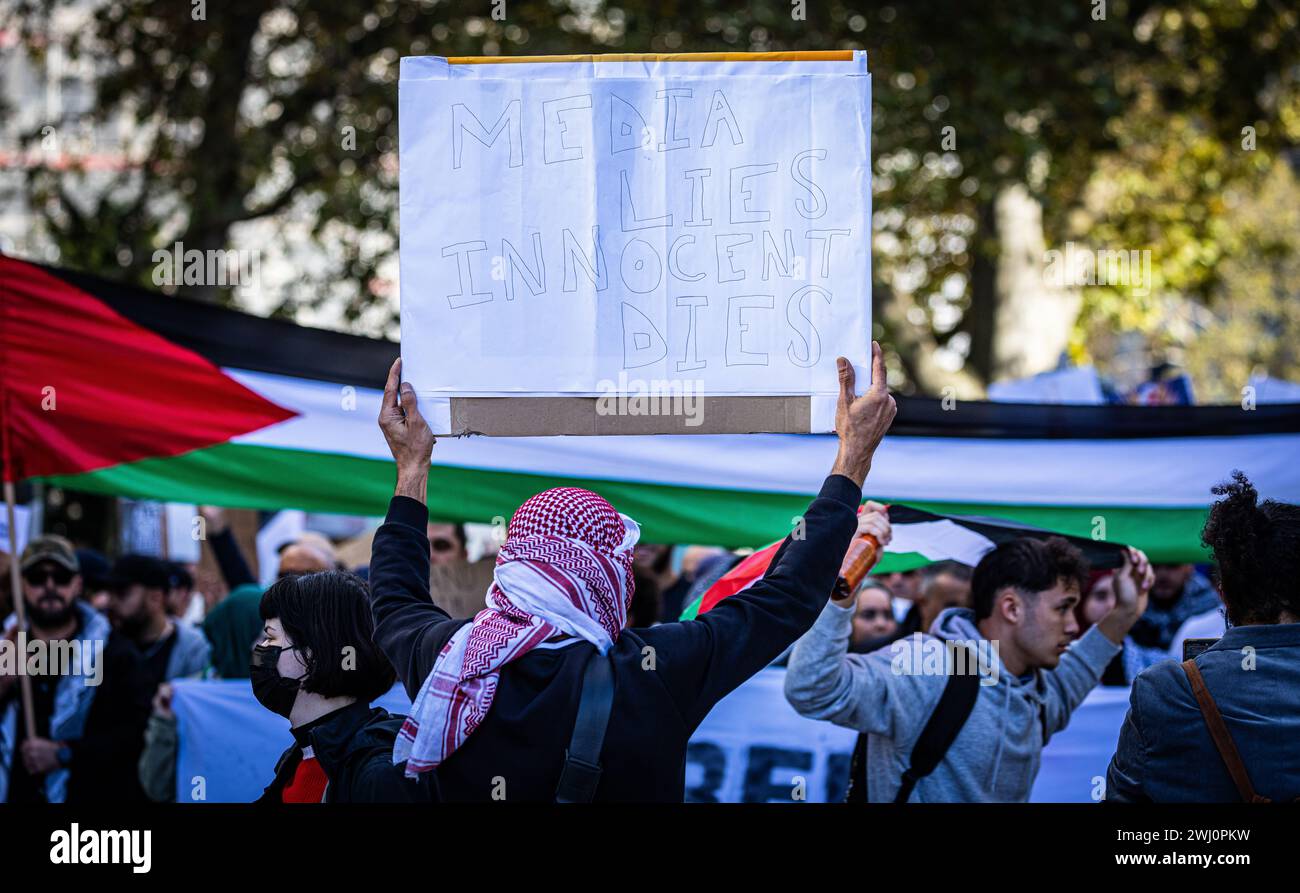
<point>162,534</point>
<point>16,586</point>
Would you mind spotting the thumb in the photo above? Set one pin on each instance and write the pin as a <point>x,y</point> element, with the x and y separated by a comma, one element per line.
<point>390,386</point>
<point>848,379</point>
<point>411,404</point>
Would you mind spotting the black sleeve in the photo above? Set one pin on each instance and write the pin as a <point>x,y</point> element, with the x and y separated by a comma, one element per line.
<point>230,559</point>
<point>376,780</point>
<point>409,628</point>
<point>701,660</point>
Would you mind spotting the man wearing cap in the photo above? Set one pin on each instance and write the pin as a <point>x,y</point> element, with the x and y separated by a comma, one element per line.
<point>87,724</point>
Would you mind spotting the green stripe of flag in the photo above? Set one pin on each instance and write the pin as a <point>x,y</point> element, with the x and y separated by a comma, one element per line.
<point>271,478</point>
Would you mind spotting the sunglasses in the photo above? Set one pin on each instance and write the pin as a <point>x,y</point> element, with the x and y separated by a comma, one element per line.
<point>38,575</point>
<point>874,613</point>
<point>441,545</point>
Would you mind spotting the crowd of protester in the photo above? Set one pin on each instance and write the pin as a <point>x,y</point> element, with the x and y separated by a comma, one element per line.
<point>572,678</point>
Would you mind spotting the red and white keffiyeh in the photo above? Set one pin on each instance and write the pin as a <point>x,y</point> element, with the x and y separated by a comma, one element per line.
<point>566,567</point>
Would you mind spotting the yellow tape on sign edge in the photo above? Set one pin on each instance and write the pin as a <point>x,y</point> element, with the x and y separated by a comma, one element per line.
<point>799,56</point>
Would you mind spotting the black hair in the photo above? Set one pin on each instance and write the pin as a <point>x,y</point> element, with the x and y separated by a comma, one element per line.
<point>663,559</point>
<point>871,582</point>
<point>180,577</point>
<point>647,600</point>
<point>94,568</point>
<point>1257,549</point>
<point>326,614</point>
<point>457,532</point>
<point>149,572</point>
<point>1028,565</point>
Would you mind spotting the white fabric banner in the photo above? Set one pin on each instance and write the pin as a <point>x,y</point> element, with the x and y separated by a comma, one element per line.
<point>1116,472</point>
<point>22,525</point>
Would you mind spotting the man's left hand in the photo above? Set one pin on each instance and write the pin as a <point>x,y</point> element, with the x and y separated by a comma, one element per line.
<point>1133,583</point>
<point>408,435</point>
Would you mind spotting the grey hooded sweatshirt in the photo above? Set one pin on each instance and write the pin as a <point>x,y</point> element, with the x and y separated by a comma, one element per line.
<point>891,693</point>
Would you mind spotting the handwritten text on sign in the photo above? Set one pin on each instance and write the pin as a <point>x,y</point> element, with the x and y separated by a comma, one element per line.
<point>557,234</point>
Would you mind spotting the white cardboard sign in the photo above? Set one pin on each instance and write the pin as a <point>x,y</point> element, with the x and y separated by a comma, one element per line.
<point>585,234</point>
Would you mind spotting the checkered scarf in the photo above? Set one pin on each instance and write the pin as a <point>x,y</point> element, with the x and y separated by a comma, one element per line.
<point>566,567</point>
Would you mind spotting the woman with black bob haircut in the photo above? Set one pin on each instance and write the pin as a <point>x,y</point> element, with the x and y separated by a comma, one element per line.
<point>316,665</point>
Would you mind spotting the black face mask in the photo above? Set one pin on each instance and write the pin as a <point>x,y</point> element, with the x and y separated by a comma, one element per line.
<point>273,691</point>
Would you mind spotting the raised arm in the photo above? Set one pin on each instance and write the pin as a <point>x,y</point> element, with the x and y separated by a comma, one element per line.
<point>858,691</point>
<point>409,628</point>
<point>1082,666</point>
<point>702,660</point>
<point>234,569</point>
<point>824,681</point>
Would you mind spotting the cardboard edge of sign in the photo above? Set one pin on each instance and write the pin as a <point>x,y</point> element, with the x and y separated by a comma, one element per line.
<point>541,416</point>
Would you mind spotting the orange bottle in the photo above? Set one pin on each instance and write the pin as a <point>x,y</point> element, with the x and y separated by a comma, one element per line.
<point>858,561</point>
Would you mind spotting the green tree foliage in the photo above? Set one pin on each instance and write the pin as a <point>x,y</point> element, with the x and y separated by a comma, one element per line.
<point>244,115</point>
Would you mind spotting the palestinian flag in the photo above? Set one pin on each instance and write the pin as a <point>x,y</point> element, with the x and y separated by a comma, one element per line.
<point>119,390</point>
<point>916,532</point>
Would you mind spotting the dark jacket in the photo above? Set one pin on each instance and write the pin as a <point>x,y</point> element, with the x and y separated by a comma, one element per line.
<point>102,723</point>
<point>1165,752</point>
<point>666,678</point>
<point>354,746</point>
<point>105,758</point>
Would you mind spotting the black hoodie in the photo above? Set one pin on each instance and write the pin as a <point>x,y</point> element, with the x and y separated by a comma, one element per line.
<point>666,678</point>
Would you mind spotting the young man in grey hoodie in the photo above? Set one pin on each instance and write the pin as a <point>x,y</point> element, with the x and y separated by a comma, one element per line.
<point>1019,639</point>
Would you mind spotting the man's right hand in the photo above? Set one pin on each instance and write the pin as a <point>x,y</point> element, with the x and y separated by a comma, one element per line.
<point>162,701</point>
<point>408,435</point>
<point>861,422</point>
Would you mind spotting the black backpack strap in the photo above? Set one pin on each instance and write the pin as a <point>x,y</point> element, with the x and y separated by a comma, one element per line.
<point>581,773</point>
<point>857,790</point>
<point>955,705</point>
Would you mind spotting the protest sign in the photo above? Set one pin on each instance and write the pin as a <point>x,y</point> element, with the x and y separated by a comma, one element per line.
<point>22,525</point>
<point>633,246</point>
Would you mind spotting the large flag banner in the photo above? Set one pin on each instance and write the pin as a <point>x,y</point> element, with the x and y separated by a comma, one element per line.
<point>683,230</point>
<point>83,386</point>
<point>209,405</point>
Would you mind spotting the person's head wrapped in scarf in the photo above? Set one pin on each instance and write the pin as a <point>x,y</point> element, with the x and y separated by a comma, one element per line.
<point>565,569</point>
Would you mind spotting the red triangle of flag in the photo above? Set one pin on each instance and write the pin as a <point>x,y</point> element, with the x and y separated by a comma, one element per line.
<point>750,569</point>
<point>83,388</point>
